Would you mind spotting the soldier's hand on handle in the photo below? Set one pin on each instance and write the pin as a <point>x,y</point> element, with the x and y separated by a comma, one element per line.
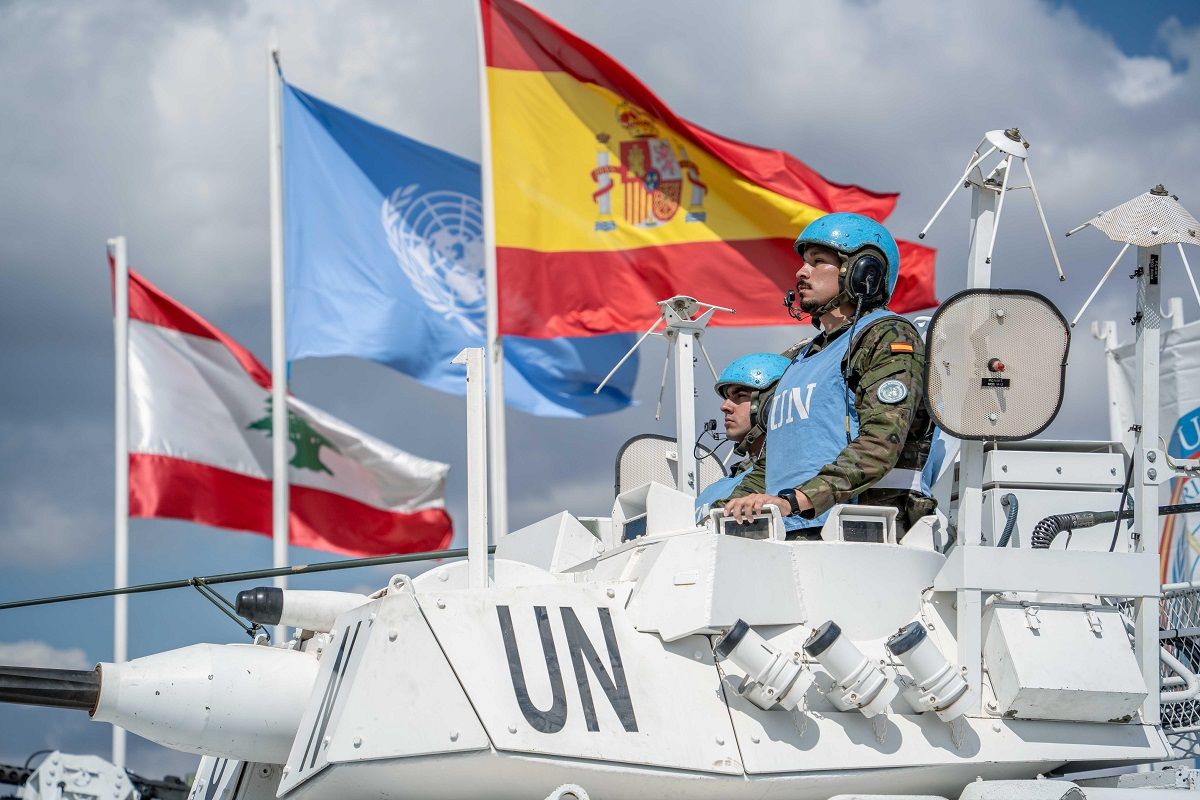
<point>743,509</point>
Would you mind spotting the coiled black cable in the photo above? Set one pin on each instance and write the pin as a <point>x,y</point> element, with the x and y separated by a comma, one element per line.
<point>1050,527</point>
<point>846,367</point>
<point>1009,501</point>
<point>1045,531</point>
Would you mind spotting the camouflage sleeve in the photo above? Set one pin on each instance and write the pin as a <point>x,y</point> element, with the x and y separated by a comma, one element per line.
<point>889,350</point>
<point>754,480</point>
<point>795,349</point>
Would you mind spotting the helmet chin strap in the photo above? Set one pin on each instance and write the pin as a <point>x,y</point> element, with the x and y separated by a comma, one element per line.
<point>758,399</point>
<point>744,447</point>
<point>844,295</point>
<point>842,298</point>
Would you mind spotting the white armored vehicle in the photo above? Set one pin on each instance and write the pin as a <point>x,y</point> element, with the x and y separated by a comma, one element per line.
<point>1014,636</point>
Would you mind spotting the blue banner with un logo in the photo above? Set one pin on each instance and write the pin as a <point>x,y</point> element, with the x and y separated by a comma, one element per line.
<point>383,255</point>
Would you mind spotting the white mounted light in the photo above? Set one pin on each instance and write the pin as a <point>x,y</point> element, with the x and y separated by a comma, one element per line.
<point>307,609</point>
<point>860,683</point>
<point>772,678</point>
<point>996,364</point>
<point>937,686</point>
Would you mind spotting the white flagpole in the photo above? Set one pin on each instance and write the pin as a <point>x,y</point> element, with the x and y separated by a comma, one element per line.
<point>121,515</point>
<point>497,458</point>
<point>477,527</point>
<point>279,408</point>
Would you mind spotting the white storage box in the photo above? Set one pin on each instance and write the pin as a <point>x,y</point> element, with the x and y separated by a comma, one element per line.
<point>1062,662</point>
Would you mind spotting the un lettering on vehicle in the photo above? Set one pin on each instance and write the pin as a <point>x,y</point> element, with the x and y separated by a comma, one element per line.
<point>590,663</point>
<point>673,688</point>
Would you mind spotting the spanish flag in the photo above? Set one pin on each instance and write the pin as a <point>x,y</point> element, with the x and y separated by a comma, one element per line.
<point>607,202</point>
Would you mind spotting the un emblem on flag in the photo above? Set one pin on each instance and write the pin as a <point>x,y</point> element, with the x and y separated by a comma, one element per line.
<point>437,238</point>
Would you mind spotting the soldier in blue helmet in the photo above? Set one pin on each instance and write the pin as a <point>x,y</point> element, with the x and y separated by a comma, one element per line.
<point>743,386</point>
<point>847,422</point>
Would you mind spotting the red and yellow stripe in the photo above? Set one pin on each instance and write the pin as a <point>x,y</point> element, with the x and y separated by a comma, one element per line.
<point>607,202</point>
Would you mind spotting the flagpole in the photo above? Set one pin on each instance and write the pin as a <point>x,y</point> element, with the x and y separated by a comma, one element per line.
<point>121,495</point>
<point>279,408</point>
<point>497,458</point>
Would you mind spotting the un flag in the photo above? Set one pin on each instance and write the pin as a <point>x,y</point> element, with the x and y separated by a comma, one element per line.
<point>383,260</point>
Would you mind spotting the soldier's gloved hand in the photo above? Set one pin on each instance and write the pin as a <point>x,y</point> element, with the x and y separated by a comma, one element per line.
<point>743,508</point>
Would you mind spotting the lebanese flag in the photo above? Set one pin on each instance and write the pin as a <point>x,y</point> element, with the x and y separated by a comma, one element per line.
<point>607,201</point>
<point>200,447</point>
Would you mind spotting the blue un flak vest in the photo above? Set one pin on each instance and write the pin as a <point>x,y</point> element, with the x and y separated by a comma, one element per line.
<point>806,424</point>
<point>717,490</point>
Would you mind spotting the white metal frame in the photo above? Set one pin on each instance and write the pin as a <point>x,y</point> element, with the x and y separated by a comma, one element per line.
<point>496,433</point>
<point>1107,333</point>
<point>478,569</point>
<point>987,199</point>
<point>682,331</point>
<point>1012,146</point>
<point>117,250</point>
<point>1147,463</point>
<point>279,406</point>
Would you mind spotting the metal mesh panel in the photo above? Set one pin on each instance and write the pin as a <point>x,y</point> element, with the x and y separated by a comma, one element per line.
<point>650,458</point>
<point>1186,745</point>
<point>1147,220</point>
<point>996,364</point>
<point>1180,621</point>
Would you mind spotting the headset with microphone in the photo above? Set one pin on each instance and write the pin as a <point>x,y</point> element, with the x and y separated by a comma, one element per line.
<point>862,279</point>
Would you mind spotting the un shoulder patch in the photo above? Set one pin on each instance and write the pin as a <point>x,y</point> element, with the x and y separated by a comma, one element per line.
<point>891,392</point>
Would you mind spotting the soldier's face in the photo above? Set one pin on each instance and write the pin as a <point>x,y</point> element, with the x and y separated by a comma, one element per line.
<point>736,409</point>
<point>819,278</point>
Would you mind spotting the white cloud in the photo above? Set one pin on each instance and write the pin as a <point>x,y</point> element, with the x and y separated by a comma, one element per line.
<point>33,653</point>
<point>1142,80</point>
<point>1183,43</point>
<point>40,529</point>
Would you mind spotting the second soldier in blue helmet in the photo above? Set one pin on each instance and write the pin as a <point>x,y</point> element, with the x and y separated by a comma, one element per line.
<point>744,388</point>
<point>847,422</point>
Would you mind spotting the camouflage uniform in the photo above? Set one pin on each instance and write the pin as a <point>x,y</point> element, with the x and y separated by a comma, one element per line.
<point>889,434</point>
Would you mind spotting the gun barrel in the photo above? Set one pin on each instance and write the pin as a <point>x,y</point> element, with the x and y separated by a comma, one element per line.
<point>57,688</point>
<point>232,701</point>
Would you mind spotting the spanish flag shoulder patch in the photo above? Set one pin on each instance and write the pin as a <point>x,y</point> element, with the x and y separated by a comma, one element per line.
<point>902,347</point>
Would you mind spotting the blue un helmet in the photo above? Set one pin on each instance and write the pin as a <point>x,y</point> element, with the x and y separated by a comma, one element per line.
<point>848,234</point>
<point>757,371</point>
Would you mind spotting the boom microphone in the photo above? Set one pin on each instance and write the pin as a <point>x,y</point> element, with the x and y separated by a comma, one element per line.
<point>789,302</point>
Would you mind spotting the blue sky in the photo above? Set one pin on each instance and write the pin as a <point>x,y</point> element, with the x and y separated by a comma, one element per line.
<point>1135,26</point>
<point>159,134</point>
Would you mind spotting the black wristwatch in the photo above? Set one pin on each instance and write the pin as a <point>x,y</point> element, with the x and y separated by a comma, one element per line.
<point>793,505</point>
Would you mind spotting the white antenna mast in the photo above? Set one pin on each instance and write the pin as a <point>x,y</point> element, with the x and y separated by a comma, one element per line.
<point>682,329</point>
<point>987,202</point>
<point>1011,146</point>
<point>1147,222</point>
